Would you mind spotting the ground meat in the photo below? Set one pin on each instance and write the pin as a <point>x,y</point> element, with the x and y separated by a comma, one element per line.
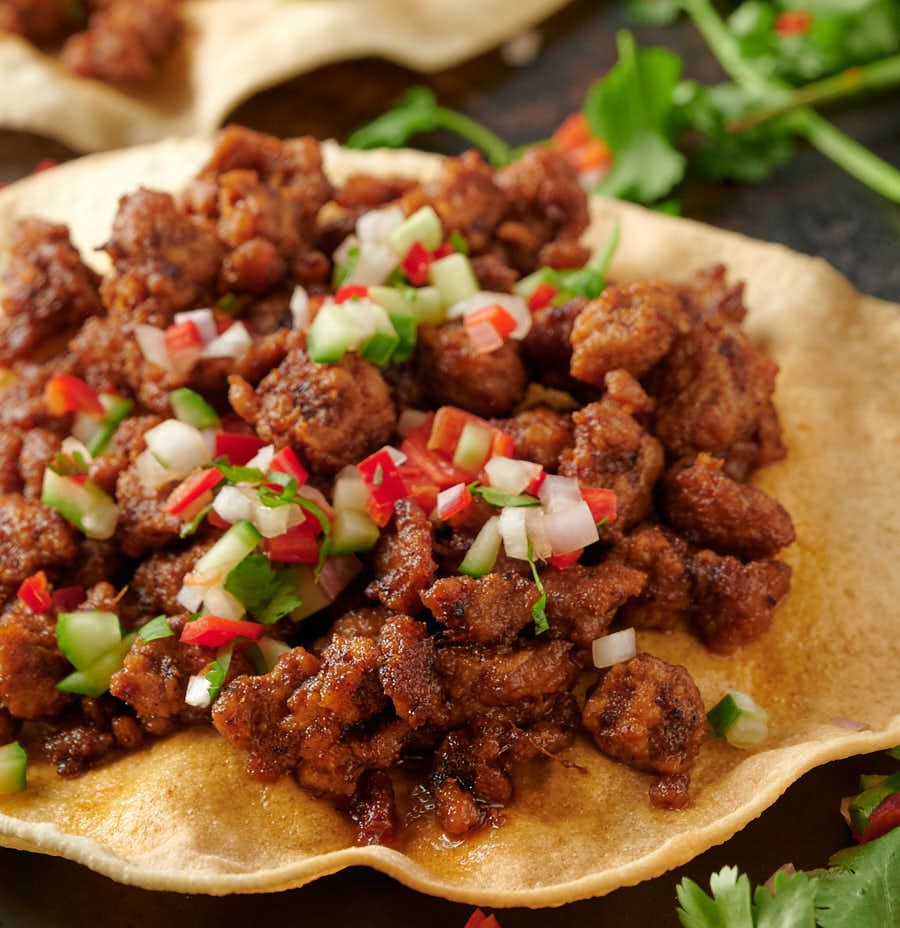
<point>373,810</point>
<point>96,562</point>
<point>366,191</point>
<point>43,22</point>
<point>250,710</point>
<point>563,254</point>
<point>662,556</point>
<point>612,450</point>
<point>407,670</point>
<point>164,261</point>
<point>47,289</point>
<point>143,524</point>
<point>75,748</point>
<point>648,714</point>
<point>488,384</point>
<point>465,196</point>
<point>403,565</point>
<point>626,327</point>
<point>332,414</point>
<point>548,346</point>
<point>582,601</point>
<point>671,792</point>
<point>31,663</point>
<point>623,390</point>
<point>456,809</point>
<point>541,435</point>
<point>10,448</point>
<point>123,449</point>
<point>714,511</point>
<point>493,274</point>
<point>39,448</point>
<point>22,402</point>
<point>487,610</point>
<point>366,621</point>
<point>159,578</point>
<point>32,537</point>
<point>734,602</point>
<point>545,202</point>
<point>708,293</point>
<point>9,727</point>
<point>407,390</point>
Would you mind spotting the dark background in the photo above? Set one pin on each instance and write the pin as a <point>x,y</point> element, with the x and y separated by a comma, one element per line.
<point>809,205</point>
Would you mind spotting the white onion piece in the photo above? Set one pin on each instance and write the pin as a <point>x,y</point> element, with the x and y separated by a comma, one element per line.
<point>233,504</point>
<point>179,447</point>
<point>300,308</point>
<point>204,321</point>
<point>571,529</point>
<point>375,226</point>
<point>514,305</point>
<point>410,419</point>
<point>296,515</point>
<point>209,436</point>
<point>83,428</point>
<point>337,572</point>
<point>510,474</point>
<point>614,648</point>
<point>152,342</point>
<point>262,460</point>
<point>558,493</point>
<point>218,601</point>
<point>191,597</point>
<point>317,497</point>
<point>373,266</point>
<point>271,521</point>
<point>535,526</point>
<point>397,456</point>
<point>197,694</point>
<point>151,473</point>
<point>234,341</point>
<point>484,337</point>
<point>513,531</point>
<point>72,445</point>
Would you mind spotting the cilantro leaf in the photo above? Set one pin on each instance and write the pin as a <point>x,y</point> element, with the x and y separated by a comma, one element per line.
<point>235,474</point>
<point>155,628</point>
<point>729,906</point>
<point>218,670</point>
<point>266,593</point>
<point>791,904</point>
<point>343,269</point>
<point>539,609</point>
<point>590,280</point>
<point>499,498</point>
<point>189,528</point>
<point>653,12</point>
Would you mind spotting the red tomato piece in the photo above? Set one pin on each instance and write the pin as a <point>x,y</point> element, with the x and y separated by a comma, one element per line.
<point>65,393</point>
<point>191,489</point>
<point>35,593</point>
<point>68,598</point>
<point>351,292</point>
<point>238,448</point>
<point>442,251</point>
<point>182,337</point>
<point>601,502</point>
<point>574,131</point>
<point>793,22</point>
<point>212,631</point>
<point>453,500</point>
<point>415,264</point>
<point>593,156</point>
<point>542,296</point>
<point>535,484</point>
<point>436,468</point>
<point>562,561</point>
<point>446,429</point>
<point>420,488</point>
<point>286,462</point>
<point>384,483</point>
<point>496,316</point>
<point>297,545</point>
<point>884,818</point>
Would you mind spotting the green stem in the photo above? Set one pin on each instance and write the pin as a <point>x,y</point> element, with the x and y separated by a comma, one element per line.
<point>492,145</point>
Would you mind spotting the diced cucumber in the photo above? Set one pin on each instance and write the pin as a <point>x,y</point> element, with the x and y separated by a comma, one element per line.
<point>473,447</point>
<point>86,506</point>
<point>192,408</point>
<point>423,226</point>
<point>350,491</point>
<point>94,680</point>
<point>272,649</point>
<point>739,719</point>
<point>313,596</point>
<point>482,555</point>
<point>239,541</point>
<point>335,330</point>
<point>454,278</point>
<point>379,348</point>
<point>429,306</point>
<point>353,531</point>
<point>117,408</point>
<point>527,285</point>
<point>86,636</point>
<point>393,299</point>
<point>13,764</point>
<point>406,326</point>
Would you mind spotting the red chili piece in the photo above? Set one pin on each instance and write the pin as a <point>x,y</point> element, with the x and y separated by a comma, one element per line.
<point>35,593</point>
<point>192,489</point>
<point>601,502</point>
<point>562,561</point>
<point>415,264</point>
<point>793,22</point>
<point>884,818</point>
<point>297,545</point>
<point>237,447</point>
<point>68,598</point>
<point>212,631</point>
<point>385,485</point>
<point>286,462</point>
<point>351,292</point>
<point>496,315</point>
<point>542,296</point>
<point>182,337</point>
<point>65,393</point>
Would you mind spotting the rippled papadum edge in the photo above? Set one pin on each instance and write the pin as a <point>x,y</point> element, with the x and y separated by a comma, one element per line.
<point>235,48</point>
<point>181,814</point>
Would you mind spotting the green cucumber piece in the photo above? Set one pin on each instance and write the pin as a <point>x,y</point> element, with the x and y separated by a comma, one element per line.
<point>739,719</point>
<point>423,226</point>
<point>13,764</point>
<point>314,598</point>
<point>117,408</point>
<point>239,541</point>
<point>380,346</point>
<point>429,306</point>
<point>335,330</point>
<point>527,285</point>
<point>454,278</point>
<point>352,532</point>
<point>190,407</point>
<point>86,636</point>
<point>350,491</point>
<point>406,327</point>
<point>393,299</point>
<point>272,649</point>
<point>482,554</point>
<point>94,680</point>
<point>86,506</point>
<point>473,447</point>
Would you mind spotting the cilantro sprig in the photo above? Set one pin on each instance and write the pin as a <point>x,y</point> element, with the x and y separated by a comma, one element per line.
<point>495,497</point>
<point>539,609</point>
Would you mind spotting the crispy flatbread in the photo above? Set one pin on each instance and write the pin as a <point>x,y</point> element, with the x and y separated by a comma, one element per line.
<point>235,48</point>
<point>182,815</point>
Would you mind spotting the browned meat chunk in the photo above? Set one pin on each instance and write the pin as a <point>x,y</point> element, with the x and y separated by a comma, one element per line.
<point>541,435</point>
<point>662,556</point>
<point>488,384</point>
<point>582,601</point>
<point>124,448</point>
<point>403,564</point>
<point>548,346</point>
<point>714,511</point>
<point>164,261</point>
<point>32,538</point>
<point>708,293</point>
<point>76,747</point>
<point>373,810</point>
<point>95,562</point>
<point>457,809</point>
<point>159,578</point>
<point>22,402</point>
<point>613,451</point>
<point>250,710</point>
<point>626,327</point>
<point>46,289</point>
<point>493,274</point>
<point>648,714</point>
<point>366,621</point>
<point>43,22</point>
<point>545,202</point>
<point>407,670</point>
<point>10,448</point>
<point>39,448</point>
<point>487,610</point>
<point>143,524</point>
<point>333,414</point>
<point>623,390</point>
<point>367,191</point>
<point>672,791</point>
<point>734,603</point>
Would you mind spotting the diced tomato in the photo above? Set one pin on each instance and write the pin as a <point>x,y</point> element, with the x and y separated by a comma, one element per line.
<point>453,500</point>
<point>80,479</point>
<point>384,483</point>
<point>543,294</point>
<point>182,337</point>
<point>35,593</point>
<point>191,489</point>
<point>436,468</point>
<point>446,429</point>
<point>68,598</point>
<point>793,22</point>
<point>602,503</point>
<point>216,520</point>
<point>212,631</point>
<point>884,818</point>
<point>351,292</point>
<point>286,462</point>
<point>479,920</point>
<point>420,488</point>
<point>236,447</point>
<point>562,561</point>
<point>574,132</point>
<point>535,484</point>
<point>65,393</point>
<point>297,545</point>
<point>594,155</point>
<point>443,250</point>
<point>503,444</point>
<point>415,264</point>
<point>496,315</point>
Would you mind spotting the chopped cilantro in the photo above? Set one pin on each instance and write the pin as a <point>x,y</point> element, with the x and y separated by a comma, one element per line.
<point>266,593</point>
<point>228,302</point>
<point>539,609</point>
<point>234,474</point>
<point>273,500</point>
<point>189,528</point>
<point>501,499</point>
<point>156,628</point>
<point>459,243</point>
<point>218,670</point>
<point>590,280</point>
<point>653,12</point>
<point>344,269</point>
<point>378,477</point>
<point>70,465</point>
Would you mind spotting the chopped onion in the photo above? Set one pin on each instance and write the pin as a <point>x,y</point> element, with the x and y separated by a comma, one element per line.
<point>337,572</point>
<point>234,504</point>
<point>410,419</point>
<point>300,308</point>
<point>397,456</point>
<point>83,428</point>
<point>197,694</point>
<point>514,532</point>
<point>484,337</point>
<point>262,460</point>
<point>72,445</point>
<point>218,601</point>
<point>510,474</point>
<point>559,493</point>
<point>234,341</point>
<point>191,597</point>
<point>179,447</point>
<point>204,321</point>
<point>375,226</point>
<point>151,473</point>
<point>514,305</point>
<point>272,521</point>
<point>317,497</point>
<point>571,529</point>
<point>152,342</point>
<point>536,528</point>
<point>614,648</point>
<point>452,500</point>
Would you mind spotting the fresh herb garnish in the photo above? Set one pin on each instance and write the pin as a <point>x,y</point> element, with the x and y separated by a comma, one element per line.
<point>72,464</point>
<point>266,593</point>
<point>459,243</point>
<point>498,498</point>
<point>218,670</point>
<point>268,497</point>
<point>539,609</point>
<point>378,476</point>
<point>228,302</point>
<point>189,528</point>
<point>234,474</point>
<point>156,628</point>
<point>344,269</point>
